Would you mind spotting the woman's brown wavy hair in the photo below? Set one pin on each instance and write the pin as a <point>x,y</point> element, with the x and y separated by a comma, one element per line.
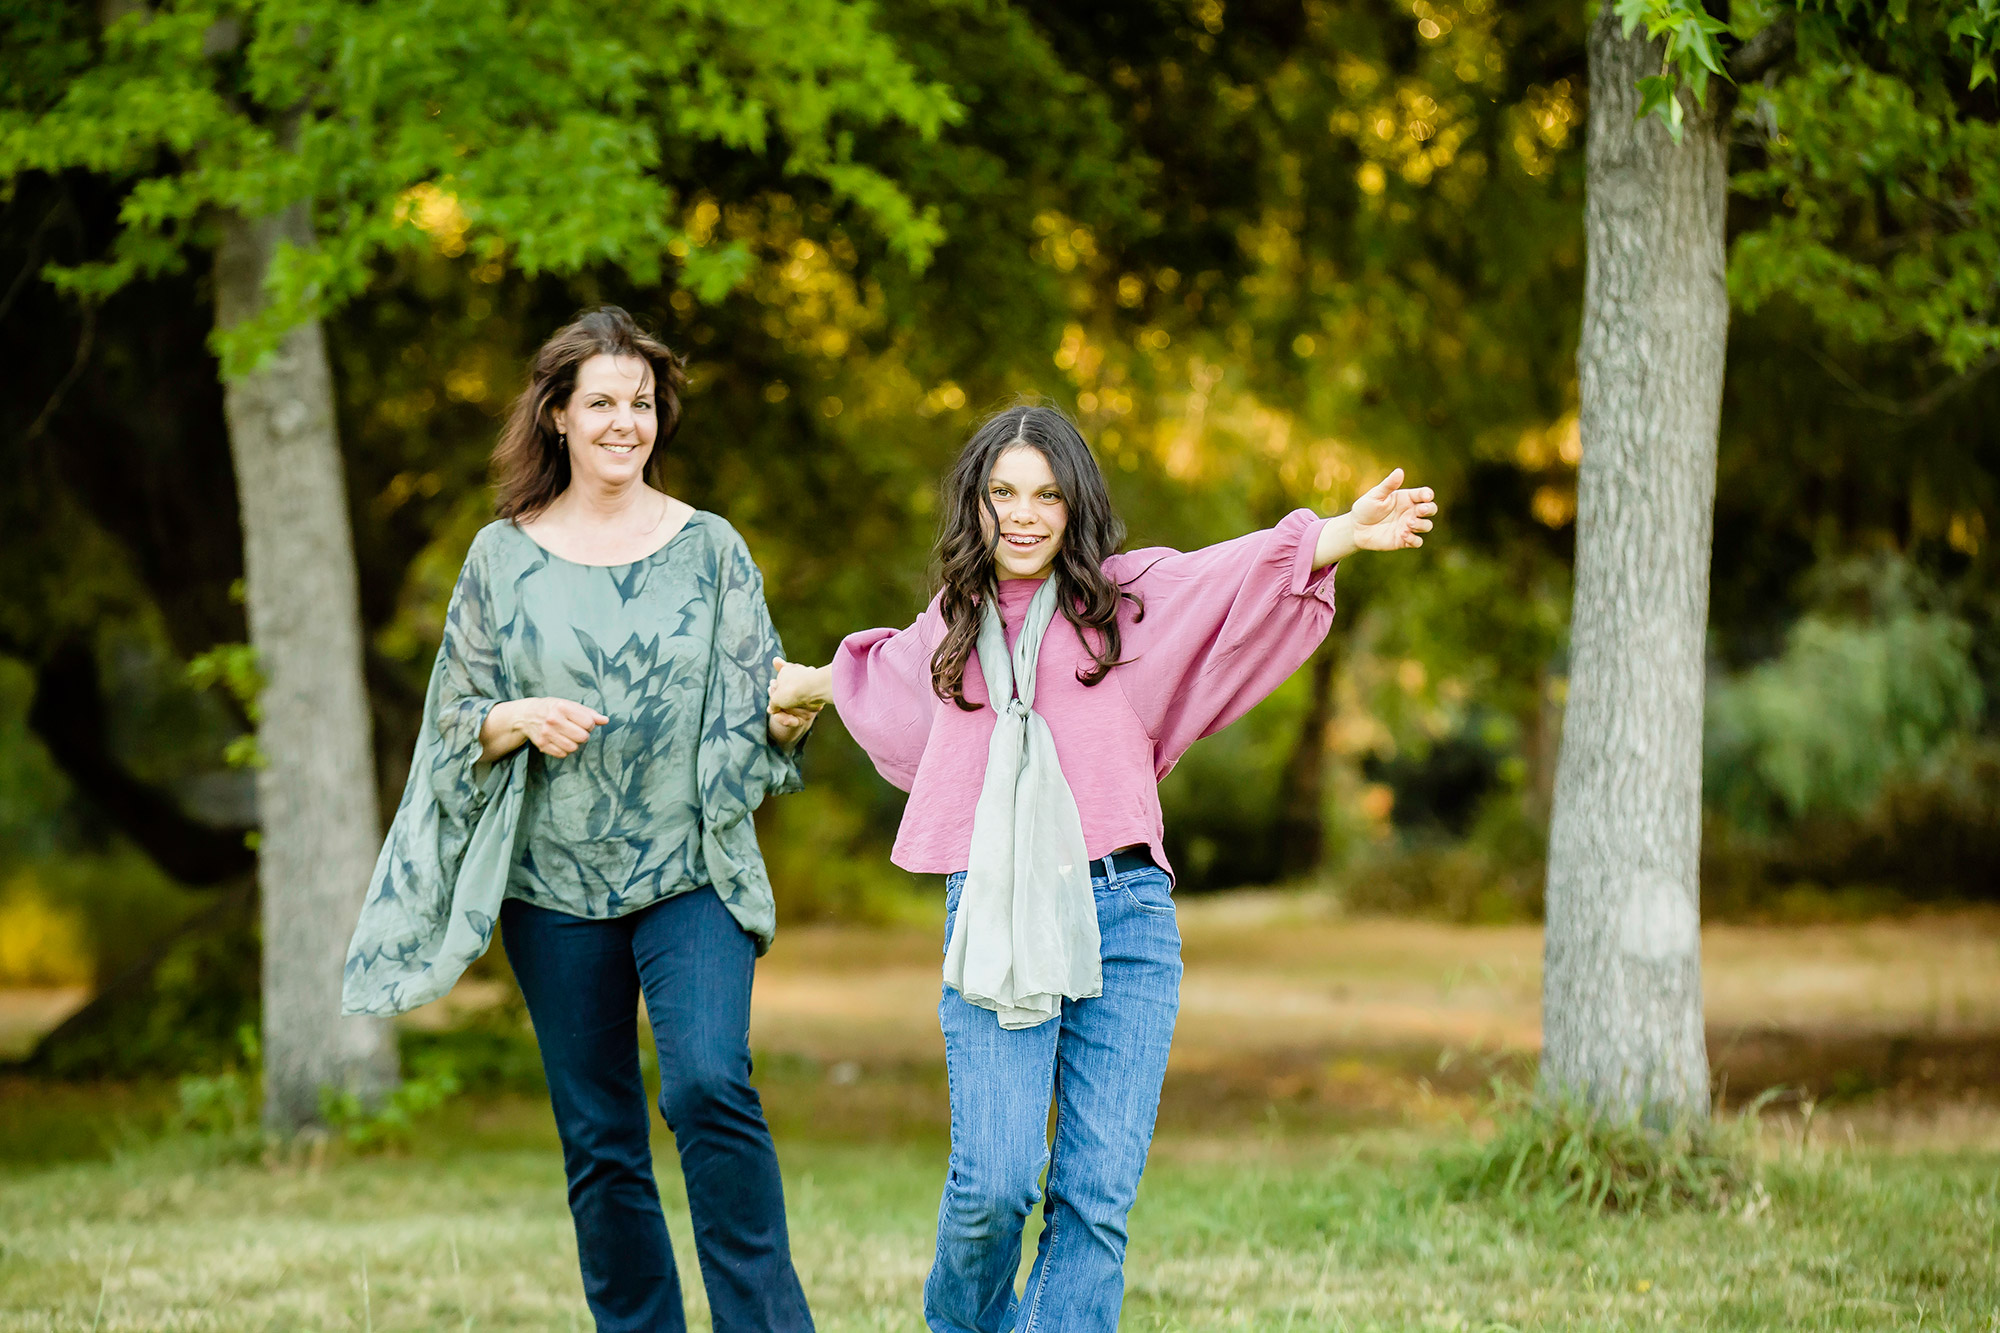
<point>965,547</point>
<point>531,463</point>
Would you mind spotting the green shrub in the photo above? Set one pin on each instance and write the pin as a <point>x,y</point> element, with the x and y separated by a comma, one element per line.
<point>1491,876</point>
<point>391,1123</point>
<point>184,1018</point>
<point>491,1053</point>
<point>222,1108</point>
<point>1851,704</point>
<point>1560,1152</point>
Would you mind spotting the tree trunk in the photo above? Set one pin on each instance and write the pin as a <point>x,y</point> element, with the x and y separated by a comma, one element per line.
<point>1301,831</point>
<point>1622,1018</point>
<point>316,793</point>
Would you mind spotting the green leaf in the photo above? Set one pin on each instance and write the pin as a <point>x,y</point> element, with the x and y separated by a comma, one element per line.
<point>1656,98</point>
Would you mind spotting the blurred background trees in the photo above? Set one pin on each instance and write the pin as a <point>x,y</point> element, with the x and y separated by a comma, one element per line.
<point>1263,251</point>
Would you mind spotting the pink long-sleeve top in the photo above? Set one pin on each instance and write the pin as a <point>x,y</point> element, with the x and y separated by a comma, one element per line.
<point>1223,627</point>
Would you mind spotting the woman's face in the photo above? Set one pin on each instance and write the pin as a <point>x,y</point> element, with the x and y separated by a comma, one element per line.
<point>609,422</point>
<point>1032,513</point>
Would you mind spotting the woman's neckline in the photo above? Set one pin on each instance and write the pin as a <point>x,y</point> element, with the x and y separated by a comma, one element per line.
<point>672,537</point>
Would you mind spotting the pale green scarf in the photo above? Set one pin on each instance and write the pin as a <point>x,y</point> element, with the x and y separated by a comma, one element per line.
<point>1025,937</point>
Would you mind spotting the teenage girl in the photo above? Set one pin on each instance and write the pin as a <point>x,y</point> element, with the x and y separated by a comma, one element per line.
<point>1062,968</point>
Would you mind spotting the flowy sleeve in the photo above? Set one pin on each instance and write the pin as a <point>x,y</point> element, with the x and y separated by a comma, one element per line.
<point>739,766</point>
<point>882,690</point>
<point>436,891</point>
<point>1223,627</point>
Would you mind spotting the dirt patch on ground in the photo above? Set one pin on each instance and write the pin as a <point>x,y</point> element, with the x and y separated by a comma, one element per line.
<point>1292,1015</point>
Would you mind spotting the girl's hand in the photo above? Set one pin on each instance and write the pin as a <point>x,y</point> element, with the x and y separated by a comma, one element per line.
<point>556,727</point>
<point>799,690</point>
<point>1388,519</point>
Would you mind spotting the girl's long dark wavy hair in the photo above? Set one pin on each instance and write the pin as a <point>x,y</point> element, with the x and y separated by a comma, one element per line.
<point>966,546</point>
<point>531,463</point>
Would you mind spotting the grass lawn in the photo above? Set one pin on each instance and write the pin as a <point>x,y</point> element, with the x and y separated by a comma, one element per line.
<point>1320,1067</point>
<point>1260,1228</point>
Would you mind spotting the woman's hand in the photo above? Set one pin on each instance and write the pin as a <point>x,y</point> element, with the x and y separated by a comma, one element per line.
<point>556,727</point>
<point>1385,519</point>
<point>800,690</point>
<point>787,729</point>
<point>797,695</point>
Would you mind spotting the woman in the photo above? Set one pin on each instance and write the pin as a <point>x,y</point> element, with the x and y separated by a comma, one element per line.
<point>594,741</point>
<point>1062,966</point>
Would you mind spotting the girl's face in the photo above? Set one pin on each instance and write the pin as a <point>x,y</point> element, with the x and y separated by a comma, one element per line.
<point>609,421</point>
<point>1032,513</point>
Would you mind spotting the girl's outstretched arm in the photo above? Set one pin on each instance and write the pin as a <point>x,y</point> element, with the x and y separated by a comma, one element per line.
<point>1385,519</point>
<point>881,681</point>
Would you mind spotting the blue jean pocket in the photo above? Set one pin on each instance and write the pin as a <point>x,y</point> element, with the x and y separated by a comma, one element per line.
<point>1151,891</point>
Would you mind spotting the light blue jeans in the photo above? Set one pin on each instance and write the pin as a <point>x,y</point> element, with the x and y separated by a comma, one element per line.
<point>1102,1061</point>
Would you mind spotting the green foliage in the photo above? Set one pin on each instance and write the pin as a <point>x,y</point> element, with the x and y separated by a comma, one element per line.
<point>1850,704</point>
<point>1931,834</point>
<point>1884,197</point>
<point>185,1016</point>
<point>1881,170</point>
<point>1556,1152</point>
<point>390,1124</point>
<point>494,1052</point>
<point>234,667</point>
<point>1976,26</point>
<point>530,136</point>
<point>1492,876</point>
<point>34,797</point>
<point>1692,52</point>
<point>824,865</point>
<point>223,1107</point>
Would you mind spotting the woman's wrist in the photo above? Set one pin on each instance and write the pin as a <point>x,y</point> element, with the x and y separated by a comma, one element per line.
<point>506,727</point>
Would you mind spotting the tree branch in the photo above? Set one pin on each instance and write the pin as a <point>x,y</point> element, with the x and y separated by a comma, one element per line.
<point>68,715</point>
<point>1923,404</point>
<point>1763,51</point>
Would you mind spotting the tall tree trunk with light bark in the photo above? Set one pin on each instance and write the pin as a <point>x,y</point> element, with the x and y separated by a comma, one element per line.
<point>316,793</point>
<point>1622,1016</point>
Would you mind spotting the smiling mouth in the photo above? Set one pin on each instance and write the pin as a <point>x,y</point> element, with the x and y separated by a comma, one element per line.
<point>1022,541</point>
<point>619,448</point>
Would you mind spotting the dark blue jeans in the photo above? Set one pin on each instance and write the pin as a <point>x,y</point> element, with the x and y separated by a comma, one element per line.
<point>582,979</point>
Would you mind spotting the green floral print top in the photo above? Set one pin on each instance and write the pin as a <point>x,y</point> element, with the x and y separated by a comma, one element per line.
<point>675,649</point>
